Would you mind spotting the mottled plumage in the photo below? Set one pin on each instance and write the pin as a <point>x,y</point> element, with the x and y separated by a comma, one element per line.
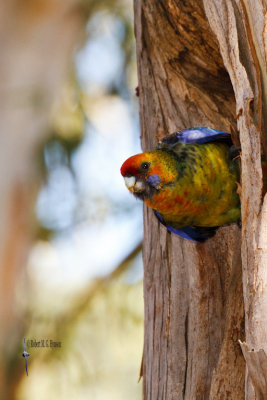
<point>190,182</point>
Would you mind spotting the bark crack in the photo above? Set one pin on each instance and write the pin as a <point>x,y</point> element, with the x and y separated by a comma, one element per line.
<point>186,353</point>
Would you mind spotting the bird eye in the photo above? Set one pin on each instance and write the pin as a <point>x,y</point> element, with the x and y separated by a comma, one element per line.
<point>144,166</point>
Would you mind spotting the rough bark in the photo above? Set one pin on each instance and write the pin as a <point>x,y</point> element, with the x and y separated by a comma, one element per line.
<point>204,64</point>
<point>242,48</point>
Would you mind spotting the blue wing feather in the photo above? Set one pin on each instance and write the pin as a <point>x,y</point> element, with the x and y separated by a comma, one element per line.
<point>199,135</point>
<point>196,234</point>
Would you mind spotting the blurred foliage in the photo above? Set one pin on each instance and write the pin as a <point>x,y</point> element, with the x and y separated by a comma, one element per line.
<point>101,359</point>
<point>68,118</point>
<point>101,325</point>
<point>72,115</point>
<point>101,334</point>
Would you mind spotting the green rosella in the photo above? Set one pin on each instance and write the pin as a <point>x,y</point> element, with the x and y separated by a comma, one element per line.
<point>190,181</point>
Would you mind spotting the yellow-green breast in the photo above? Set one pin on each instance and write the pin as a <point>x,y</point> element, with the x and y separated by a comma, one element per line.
<point>204,191</point>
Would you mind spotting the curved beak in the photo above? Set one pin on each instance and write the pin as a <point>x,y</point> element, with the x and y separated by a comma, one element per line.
<point>133,184</point>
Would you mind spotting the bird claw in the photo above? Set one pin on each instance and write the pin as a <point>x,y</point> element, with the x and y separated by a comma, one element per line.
<point>235,152</point>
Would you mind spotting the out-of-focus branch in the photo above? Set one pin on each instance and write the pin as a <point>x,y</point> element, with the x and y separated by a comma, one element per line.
<point>68,320</point>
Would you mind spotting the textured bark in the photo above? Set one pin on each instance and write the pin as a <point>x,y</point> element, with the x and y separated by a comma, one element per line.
<point>242,48</point>
<point>204,64</point>
<point>257,367</point>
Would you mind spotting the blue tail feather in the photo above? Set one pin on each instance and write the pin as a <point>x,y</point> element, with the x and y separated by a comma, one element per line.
<point>196,234</point>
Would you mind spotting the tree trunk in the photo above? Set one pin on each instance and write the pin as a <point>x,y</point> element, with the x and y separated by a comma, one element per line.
<point>204,64</point>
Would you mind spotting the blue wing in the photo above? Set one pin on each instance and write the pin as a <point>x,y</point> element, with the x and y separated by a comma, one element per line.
<point>196,234</point>
<point>197,135</point>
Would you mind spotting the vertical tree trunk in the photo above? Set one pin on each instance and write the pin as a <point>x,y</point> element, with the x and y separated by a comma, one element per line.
<point>204,64</point>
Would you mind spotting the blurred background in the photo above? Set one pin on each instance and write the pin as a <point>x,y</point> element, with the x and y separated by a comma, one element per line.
<point>71,234</point>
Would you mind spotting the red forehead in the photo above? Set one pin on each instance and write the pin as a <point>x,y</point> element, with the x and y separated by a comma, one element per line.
<point>132,164</point>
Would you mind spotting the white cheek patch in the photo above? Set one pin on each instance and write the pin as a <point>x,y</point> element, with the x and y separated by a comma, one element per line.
<point>139,186</point>
<point>129,181</point>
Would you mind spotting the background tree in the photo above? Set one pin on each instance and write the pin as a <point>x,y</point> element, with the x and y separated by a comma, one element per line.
<point>31,32</point>
<point>40,43</point>
<point>204,64</point>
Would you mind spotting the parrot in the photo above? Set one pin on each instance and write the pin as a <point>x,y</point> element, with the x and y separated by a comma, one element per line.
<point>190,181</point>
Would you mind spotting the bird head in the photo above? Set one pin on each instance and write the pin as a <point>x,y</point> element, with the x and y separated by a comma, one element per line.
<point>147,173</point>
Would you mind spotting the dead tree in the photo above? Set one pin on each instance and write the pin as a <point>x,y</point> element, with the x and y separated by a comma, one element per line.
<point>203,63</point>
